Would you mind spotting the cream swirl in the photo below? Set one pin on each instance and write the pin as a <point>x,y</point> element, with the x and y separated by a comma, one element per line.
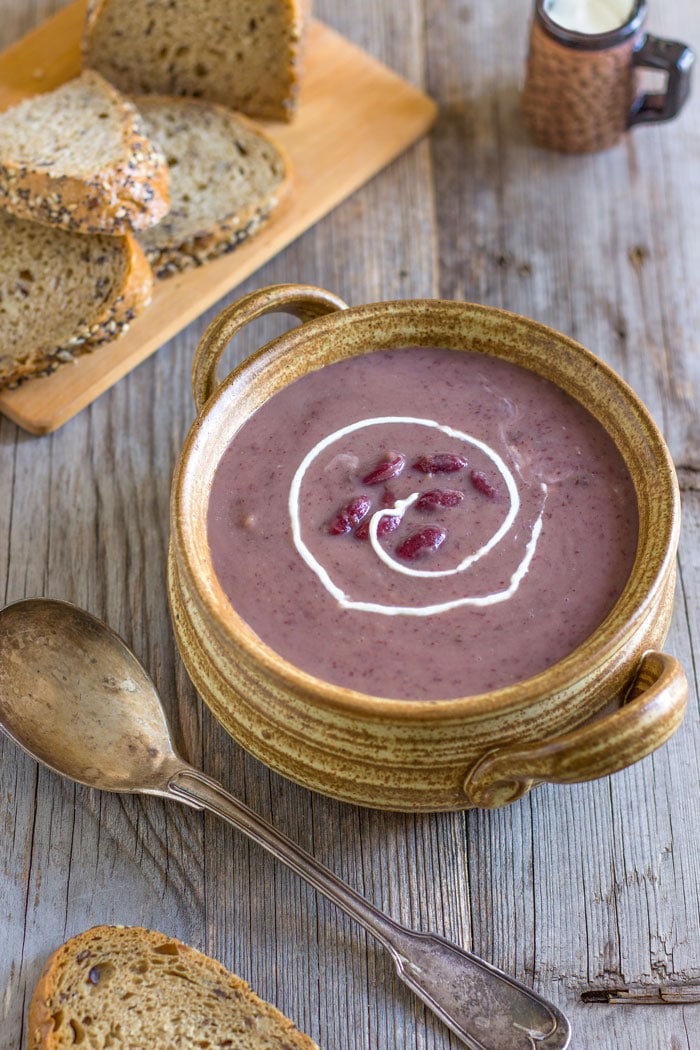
<point>399,508</point>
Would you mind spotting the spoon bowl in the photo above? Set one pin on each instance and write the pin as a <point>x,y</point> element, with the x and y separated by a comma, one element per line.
<point>75,698</point>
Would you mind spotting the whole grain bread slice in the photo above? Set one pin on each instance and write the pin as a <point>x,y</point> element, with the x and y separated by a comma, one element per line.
<point>78,158</point>
<point>226,177</point>
<point>245,55</point>
<point>63,294</point>
<point>128,988</point>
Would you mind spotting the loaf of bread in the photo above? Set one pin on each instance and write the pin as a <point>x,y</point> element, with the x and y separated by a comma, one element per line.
<point>226,178</point>
<point>128,988</point>
<point>245,55</point>
<point>62,294</point>
<point>77,158</point>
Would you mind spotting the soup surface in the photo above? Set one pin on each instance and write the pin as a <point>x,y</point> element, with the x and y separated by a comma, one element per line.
<point>422,523</point>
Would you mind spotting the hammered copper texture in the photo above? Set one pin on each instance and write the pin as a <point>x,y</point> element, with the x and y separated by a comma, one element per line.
<point>577,100</point>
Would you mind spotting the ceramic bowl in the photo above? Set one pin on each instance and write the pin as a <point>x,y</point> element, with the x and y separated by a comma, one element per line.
<point>612,701</point>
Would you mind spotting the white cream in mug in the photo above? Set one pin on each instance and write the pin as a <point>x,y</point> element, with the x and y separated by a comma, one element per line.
<point>589,16</point>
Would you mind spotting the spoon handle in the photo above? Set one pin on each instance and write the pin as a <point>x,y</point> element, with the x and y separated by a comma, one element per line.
<point>485,1007</point>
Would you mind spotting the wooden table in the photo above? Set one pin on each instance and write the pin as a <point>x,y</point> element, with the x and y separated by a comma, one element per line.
<point>577,890</point>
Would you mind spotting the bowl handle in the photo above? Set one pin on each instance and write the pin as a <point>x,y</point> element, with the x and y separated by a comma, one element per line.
<point>650,717</point>
<point>301,300</point>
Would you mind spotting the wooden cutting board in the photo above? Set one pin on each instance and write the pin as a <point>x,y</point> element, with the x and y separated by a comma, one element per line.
<point>354,117</point>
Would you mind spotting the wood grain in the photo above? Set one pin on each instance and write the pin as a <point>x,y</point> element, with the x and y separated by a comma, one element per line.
<point>573,889</point>
<point>355,116</point>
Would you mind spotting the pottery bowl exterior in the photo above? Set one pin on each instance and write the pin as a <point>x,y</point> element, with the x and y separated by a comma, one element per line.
<point>612,701</point>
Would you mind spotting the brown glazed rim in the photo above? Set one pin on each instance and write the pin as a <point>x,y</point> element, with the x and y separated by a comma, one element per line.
<point>655,553</point>
<point>592,41</point>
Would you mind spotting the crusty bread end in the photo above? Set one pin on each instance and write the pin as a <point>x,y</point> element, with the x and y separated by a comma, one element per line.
<point>246,55</point>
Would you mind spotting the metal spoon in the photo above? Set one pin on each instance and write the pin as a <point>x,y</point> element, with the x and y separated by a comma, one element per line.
<point>75,698</point>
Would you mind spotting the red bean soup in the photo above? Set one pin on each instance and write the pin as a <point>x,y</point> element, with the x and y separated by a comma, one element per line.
<point>422,523</point>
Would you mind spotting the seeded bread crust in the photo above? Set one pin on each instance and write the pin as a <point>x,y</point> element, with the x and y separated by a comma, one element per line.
<point>227,178</point>
<point>125,194</point>
<point>246,55</point>
<point>202,250</point>
<point>128,988</point>
<point>34,256</point>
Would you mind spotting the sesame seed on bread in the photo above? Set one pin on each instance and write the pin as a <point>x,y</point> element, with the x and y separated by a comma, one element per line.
<point>63,294</point>
<point>77,158</point>
<point>226,177</point>
<point>245,55</point>
<point>129,988</point>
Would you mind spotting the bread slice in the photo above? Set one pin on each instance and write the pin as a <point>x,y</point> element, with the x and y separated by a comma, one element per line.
<point>226,177</point>
<point>244,54</point>
<point>128,988</point>
<point>62,294</point>
<point>77,158</point>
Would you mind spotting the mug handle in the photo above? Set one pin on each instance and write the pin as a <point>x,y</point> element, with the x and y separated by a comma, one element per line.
<point>647,720</point>
<point>676,60</point>
<point>300,300</point>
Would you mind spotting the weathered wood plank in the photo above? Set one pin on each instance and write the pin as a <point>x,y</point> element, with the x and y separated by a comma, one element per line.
<point>590,887</point>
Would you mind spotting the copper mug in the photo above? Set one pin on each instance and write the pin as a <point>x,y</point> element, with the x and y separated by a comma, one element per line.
<point>582,89</point>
